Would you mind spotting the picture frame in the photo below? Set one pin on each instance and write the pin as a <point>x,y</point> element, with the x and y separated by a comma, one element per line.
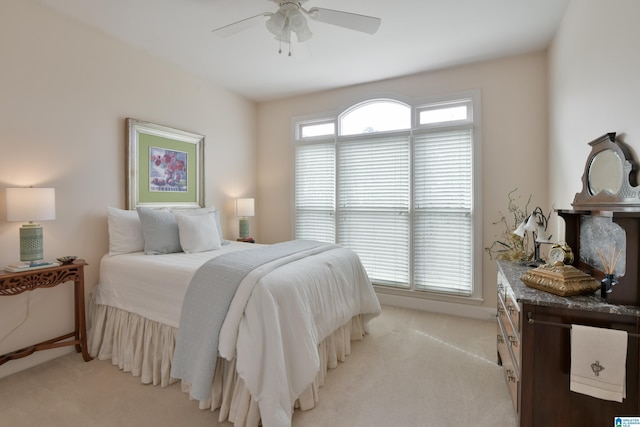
<point>165,166</point>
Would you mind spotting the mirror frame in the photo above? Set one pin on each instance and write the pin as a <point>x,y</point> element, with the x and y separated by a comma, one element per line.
<point>627,198</point>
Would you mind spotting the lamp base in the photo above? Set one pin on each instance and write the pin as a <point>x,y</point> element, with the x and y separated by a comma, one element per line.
<point>244,228</point>
<point>31,242</point>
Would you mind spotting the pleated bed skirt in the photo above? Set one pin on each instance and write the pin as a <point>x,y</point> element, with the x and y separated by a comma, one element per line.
<point>145,349</point>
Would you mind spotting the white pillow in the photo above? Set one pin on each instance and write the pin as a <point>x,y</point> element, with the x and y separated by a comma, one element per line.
<point>125,231</point>
<point>203,211</point>
<point>160,231</point>
<point>198,233</point>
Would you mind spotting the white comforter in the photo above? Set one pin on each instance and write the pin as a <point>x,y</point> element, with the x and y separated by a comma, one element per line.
<point>272,328</point>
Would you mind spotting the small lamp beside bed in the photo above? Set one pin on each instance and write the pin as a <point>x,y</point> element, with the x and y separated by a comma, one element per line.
<point>28,205</point>
<point>244,209</point>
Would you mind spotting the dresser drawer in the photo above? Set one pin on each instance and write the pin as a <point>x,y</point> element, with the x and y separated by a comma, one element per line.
<point>509,368</point>
<point>513,311</point>
<point>510,335</point>
<point>511,378</point>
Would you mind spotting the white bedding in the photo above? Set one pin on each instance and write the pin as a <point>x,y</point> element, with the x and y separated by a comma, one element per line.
<point>289,313</point>
<point>152,286</point>
<point>273,329</point>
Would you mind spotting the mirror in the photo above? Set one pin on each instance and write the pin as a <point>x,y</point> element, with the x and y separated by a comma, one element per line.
<point>609,178</point>
<point>605,173</point>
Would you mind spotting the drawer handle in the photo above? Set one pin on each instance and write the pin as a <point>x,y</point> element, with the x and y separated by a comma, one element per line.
<point>500,287</point>
<point>500,339</point>
<point>513,340</point>
<point>511,375</point>
<point>510,308</point>
<point>500,311</point>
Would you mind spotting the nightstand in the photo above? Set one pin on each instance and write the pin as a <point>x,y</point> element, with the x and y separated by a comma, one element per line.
<point>17,283</point>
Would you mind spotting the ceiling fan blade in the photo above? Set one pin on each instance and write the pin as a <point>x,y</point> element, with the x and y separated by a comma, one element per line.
<point>236,27</point>
<point>352,21</point>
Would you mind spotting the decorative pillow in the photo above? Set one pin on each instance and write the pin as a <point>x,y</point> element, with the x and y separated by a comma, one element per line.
<point>125,231</point>
<point>203,211</point>
<point>160,231</point>
<point>198,233</point>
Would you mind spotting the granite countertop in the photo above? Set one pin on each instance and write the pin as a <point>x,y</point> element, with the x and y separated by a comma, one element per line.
<point>524,294</point>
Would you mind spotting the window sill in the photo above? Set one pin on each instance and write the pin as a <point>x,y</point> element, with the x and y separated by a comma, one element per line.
<point>428,295</point>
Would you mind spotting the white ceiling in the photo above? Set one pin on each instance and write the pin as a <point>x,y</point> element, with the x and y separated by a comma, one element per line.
<point>415,36</point>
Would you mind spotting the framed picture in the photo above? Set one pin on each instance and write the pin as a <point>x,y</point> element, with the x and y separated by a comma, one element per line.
<point>165,166</point>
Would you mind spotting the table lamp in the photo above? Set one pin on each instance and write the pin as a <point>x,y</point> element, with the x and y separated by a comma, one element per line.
<point>244,209</point>
<point>536,223</point>
<point>31,204</point>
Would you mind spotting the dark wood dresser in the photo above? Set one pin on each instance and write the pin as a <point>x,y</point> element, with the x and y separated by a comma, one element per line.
<point>534,348</point>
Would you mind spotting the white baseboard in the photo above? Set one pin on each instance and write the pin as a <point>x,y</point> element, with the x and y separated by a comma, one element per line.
<point>442,307</point>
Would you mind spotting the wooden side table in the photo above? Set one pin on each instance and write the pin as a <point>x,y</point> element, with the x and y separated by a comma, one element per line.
<point>16,283</point>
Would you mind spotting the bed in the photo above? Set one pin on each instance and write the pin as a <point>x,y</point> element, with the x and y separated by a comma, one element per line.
<point>291,318</point>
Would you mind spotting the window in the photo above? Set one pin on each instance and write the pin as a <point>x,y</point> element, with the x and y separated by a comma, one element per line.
<point>401,196</point>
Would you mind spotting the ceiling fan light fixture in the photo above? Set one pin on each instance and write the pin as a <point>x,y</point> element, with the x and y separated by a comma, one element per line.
<point>285,35</point>
<point>292,17</point>
<point>276,23</point>
<point>304,34</point>
<point>298,24</point>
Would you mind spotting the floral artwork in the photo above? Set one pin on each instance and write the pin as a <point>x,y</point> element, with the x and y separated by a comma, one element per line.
<point>167,170</point>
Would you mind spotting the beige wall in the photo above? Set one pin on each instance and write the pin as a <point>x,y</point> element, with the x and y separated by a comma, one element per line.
<point>65,91</point>
<point>514,142</point>
<point>594,87</point>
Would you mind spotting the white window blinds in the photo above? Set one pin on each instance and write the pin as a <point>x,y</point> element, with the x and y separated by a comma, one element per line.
<point>398,185</point>
<point>315,191</point>
<point>373,205</point>
<point>443,212</point>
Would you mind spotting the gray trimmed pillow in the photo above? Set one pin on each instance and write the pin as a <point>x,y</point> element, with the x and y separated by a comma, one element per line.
<point>160,231</point>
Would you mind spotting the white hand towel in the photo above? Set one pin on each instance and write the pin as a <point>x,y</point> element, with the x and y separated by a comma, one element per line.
<point>598,362</point>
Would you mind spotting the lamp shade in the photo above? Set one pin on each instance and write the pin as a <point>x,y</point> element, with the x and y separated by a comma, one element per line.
<point>275,24</point>
<point>540,235</point>
<point>31,204</point>
<point>532,224</point>
<point>520,230</point>
<point>245,207</point>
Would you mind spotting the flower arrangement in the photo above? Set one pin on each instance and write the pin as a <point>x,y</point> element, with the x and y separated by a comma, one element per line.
<point>511,246</point>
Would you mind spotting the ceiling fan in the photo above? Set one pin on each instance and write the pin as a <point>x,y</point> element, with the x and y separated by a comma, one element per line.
<point>290,18</point>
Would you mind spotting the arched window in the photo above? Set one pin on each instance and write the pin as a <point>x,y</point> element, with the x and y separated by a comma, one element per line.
<point>378,115</point>
<point>397,184</point>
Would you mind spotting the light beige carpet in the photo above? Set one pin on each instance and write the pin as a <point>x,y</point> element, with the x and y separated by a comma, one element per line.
<point>414,369</point>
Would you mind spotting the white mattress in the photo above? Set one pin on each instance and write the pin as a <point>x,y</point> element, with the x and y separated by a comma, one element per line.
<point>152,286</point>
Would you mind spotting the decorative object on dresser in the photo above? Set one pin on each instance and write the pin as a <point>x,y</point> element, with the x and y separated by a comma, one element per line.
<point>17,283</point>
<point>513,243</point>
<point>609,262</point>
<point>31,204</point>
<point>244,209</point>
<point>560,279</point>
<point>537,223</point>
<point>562,253</point>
